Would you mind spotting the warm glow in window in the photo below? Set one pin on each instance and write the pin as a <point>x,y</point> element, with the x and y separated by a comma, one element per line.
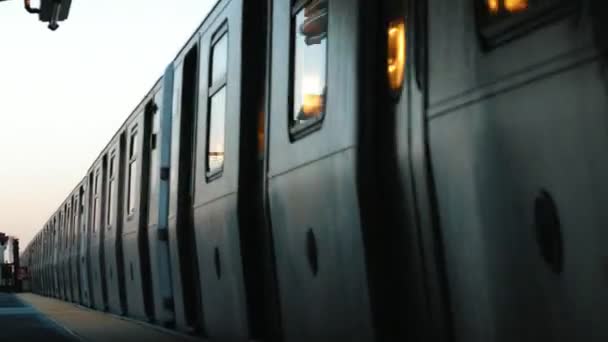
<point>396,54</point>
<point>493,6</point>
<point>310,62</point>
<point>506,6</point>
<point>516,5</point>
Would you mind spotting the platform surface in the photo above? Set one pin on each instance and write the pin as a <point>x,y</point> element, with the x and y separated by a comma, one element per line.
<point>56,320</point>
<point>21,322</point>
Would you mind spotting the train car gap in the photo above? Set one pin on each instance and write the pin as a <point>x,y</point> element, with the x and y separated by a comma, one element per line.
<point>185,223</point>
<point>143,241</point>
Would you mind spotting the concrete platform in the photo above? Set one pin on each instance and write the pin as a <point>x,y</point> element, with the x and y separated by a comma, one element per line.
<point>70,322</point>
<point>21,322</point>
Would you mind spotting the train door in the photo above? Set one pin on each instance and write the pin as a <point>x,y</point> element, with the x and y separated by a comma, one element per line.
<point>75,253</point>
<point>316,191</point>
<point>516,111</point>
<point>84,247</point>
<point>61,250</point>
<point>97,262</point>
<point>186,289</point>
<point>135,232</point>
<point>55,252</point>
<point>228,180</point>
<point>47,261</point>
<point>159,163</point>
<point>67,250</point>
<point>111,223</point>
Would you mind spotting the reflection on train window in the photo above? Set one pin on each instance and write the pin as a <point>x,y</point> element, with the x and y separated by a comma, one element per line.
<point>506,7</point>
<point>503,20</point>
<point>219,60</point>
<point>111,191</point>
<point>310,63</point>
<point>217,107</point>
<point>216,131</point>
<point>132,173</point>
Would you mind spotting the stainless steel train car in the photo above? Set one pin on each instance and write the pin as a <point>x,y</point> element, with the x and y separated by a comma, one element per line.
<point>349,170</point>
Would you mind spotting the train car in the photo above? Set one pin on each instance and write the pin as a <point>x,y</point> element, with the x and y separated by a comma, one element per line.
<point>361,171</point>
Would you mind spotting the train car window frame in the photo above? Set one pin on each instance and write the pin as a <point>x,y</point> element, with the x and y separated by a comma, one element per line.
<point>95,203</point>
<point>69,223</point>
<point>81,204</point>
<point>75,214</point>
<point>111,182</point>
<point>299,130</point>
<point>217,88</point>
<point>504,25</point>
<point>132,172</point>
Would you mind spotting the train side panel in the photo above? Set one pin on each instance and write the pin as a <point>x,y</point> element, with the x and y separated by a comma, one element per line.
<point>517,139</point>
<point>314,204</point>
<point>160,270</point>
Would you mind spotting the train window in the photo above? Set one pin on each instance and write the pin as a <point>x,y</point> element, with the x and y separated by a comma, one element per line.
<point>95,202</point>
<point>82,200</point>
<point>217,105</point>
<point>503,20</point>
<point>219,60</point>
<point>112,181</point>
<point>309,64</point>
<point>132,172</point>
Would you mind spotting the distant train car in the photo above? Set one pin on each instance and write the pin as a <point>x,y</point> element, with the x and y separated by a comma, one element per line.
<point>336,170</point>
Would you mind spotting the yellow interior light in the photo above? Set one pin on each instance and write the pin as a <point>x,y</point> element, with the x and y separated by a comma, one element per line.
<point>396,54</point>
<point>312,105</point>
<point>493,6</point>
<point>516,5</point>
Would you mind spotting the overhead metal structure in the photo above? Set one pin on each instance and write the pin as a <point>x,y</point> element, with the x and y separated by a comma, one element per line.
<point>49,11</point>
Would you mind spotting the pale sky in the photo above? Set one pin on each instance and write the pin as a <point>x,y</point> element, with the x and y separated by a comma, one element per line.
<point>64,94</point>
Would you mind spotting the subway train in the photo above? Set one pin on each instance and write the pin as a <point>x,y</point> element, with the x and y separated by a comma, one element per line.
<point>349,170</point>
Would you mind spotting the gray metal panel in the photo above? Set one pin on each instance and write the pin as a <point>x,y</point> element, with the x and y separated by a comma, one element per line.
<point>453,41</point>
<point>162,291</point>
<point>314,203</point>
<point>221,269</point>
<point>133,278</point>
<point>494,149</point>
